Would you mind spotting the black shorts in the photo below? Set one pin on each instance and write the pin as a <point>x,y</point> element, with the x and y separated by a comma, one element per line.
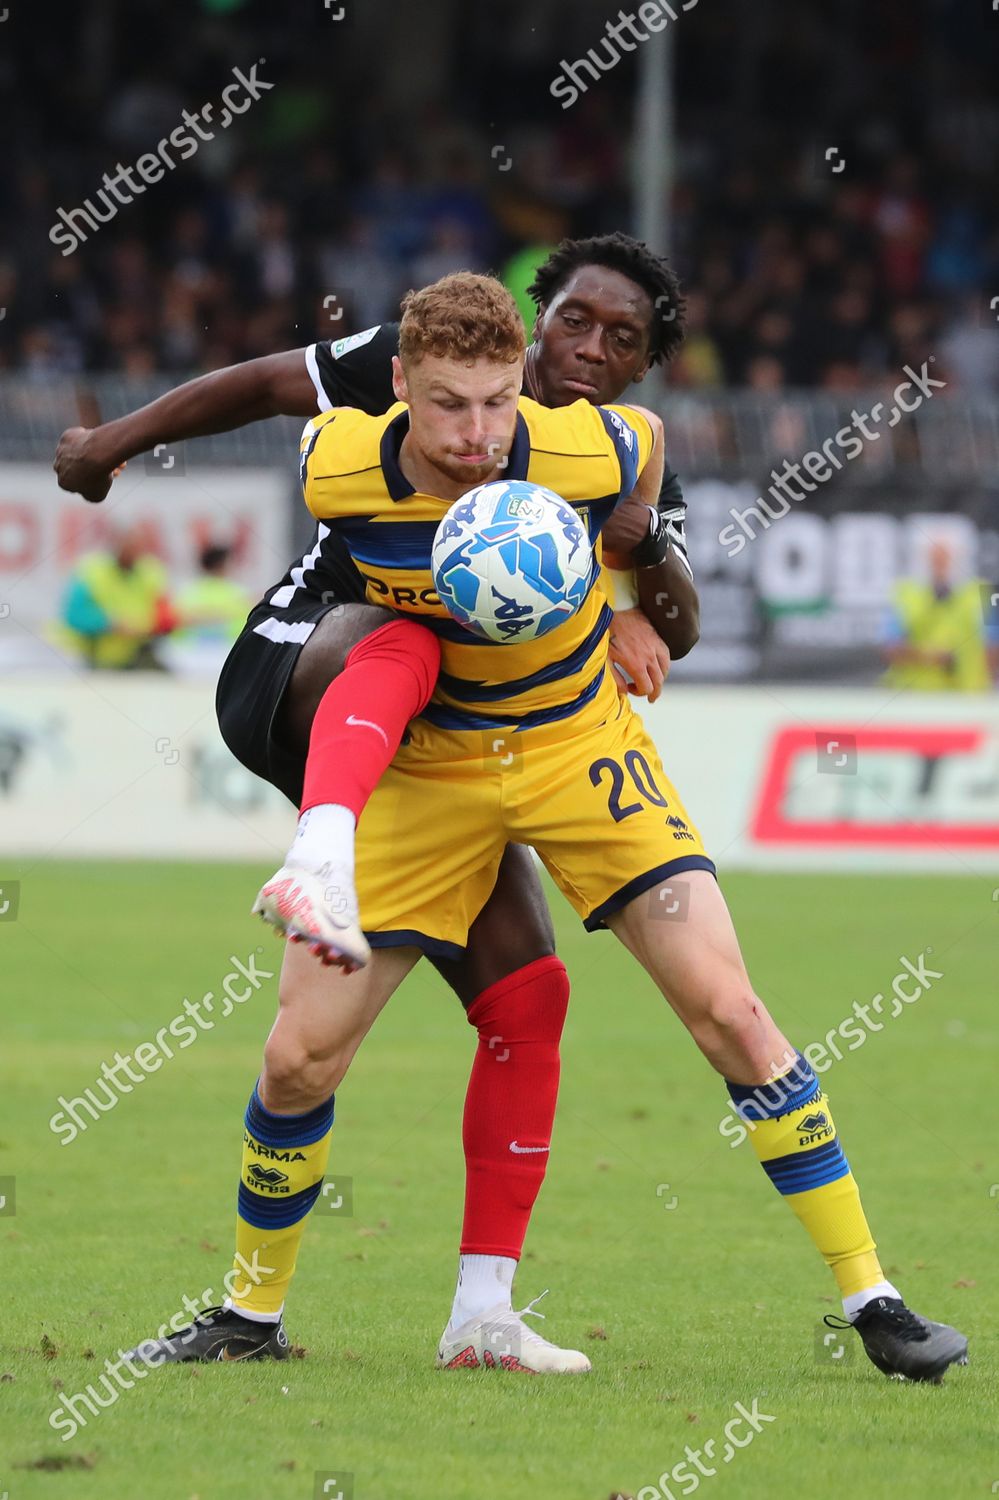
<point>252,685</point>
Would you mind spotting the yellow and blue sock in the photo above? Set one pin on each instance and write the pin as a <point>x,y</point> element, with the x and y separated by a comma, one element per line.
<point>284,1160</point>
<point>794,1136</point>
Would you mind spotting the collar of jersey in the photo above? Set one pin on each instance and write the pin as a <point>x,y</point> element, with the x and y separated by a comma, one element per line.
<point>399,486</point>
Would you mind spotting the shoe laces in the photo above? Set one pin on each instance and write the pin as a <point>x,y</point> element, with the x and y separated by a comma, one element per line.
<point>906,1324</point>
<point>203,1319</point>
<point>209,1314</point>
<point>525,1331</point>
<point>528,1311</point>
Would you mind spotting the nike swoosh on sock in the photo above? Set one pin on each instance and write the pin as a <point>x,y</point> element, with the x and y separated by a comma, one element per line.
<point>367,724</point>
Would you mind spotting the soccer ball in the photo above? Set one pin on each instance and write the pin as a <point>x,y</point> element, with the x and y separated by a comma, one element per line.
<point>511,561</point>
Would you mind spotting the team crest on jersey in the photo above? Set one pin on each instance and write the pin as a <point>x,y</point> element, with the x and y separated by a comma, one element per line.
<point>356,341</point>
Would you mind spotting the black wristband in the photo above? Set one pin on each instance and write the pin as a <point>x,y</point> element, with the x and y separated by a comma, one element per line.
<point>652,549</point>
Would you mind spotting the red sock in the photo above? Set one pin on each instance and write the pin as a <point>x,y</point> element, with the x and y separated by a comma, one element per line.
<point>387,679</point>
<point>511,1103</point>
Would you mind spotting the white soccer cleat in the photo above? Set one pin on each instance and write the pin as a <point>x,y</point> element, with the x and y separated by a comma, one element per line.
<point>501,1340</point>
<point>318,908</point>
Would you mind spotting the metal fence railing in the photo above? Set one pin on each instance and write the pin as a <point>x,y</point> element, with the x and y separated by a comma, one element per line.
<point>729,433</point>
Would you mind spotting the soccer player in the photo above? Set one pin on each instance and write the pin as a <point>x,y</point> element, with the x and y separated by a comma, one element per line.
<point>608,309</point>
<point>587,790</point>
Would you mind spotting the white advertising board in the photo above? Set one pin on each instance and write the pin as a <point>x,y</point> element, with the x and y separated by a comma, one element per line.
<point>44,531</point>
<point>835,779</point>
<point>129,765</point>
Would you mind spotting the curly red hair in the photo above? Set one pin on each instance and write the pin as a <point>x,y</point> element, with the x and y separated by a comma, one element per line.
<point>463,316</point>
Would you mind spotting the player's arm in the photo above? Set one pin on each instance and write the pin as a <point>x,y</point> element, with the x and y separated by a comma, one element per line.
<point>663,590</point>
<point>295,384</point>
<point>648,574</point>
<point>278,384</point>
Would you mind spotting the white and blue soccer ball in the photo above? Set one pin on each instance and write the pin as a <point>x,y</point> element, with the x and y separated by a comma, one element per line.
<point>511,561</point>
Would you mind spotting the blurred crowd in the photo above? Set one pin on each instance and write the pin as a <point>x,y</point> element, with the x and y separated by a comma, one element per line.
<point>121,611</point>
<point>832,215</point>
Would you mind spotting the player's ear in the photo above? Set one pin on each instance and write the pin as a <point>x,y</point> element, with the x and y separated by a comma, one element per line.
<point>539,318</point>
<point>399,385</point>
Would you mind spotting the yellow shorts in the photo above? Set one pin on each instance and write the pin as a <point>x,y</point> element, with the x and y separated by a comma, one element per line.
<point>595,804</point>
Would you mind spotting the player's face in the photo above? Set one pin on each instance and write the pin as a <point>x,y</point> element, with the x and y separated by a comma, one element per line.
<point>593,337</point>
<point>462,417</point>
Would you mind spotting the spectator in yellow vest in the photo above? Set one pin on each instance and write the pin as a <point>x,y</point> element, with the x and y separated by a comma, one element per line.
<point>211,611</point>
<point>942,633</point>
<point>212,608</point>
<point>116,605</point>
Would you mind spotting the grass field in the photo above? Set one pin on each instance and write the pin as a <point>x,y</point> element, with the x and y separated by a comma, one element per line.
<point>669,1257</point>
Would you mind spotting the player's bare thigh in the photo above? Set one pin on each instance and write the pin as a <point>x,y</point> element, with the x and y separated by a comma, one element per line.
<point>682,935</point>
<point>323,1017</point>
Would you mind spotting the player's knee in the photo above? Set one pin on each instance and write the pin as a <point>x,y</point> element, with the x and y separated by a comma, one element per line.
<point>733,1014</point>
<point>297,1076</point>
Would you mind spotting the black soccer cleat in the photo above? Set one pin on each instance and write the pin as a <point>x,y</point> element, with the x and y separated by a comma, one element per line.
<point>217,1335</point>
<point>902,1343</point>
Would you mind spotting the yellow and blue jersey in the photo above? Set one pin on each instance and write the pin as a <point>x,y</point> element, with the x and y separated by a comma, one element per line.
<point>590,455</point>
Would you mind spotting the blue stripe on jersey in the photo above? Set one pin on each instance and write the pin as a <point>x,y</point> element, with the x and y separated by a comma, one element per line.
<point>458,635</point>
<point>409,544</point>
<point>600,511</point>
<point>627,452</point>
<point>445,717</point>
<point>479,692</point>
<point>400,544</point>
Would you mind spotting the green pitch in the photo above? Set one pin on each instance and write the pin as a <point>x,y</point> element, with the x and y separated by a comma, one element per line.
<point>670,1259</point>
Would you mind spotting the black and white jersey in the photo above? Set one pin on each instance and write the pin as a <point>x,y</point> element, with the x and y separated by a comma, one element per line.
<point>357,371</point>
<point>354,372</point>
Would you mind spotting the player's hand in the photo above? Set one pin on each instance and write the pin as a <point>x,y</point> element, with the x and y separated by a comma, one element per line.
<point>636,652</point>
<point>79,469</point>
<point>627,528</point>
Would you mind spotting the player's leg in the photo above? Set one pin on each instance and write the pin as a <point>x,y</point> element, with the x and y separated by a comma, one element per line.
<point>612,830</point>
<point>509,959</point>
<point>696,962</point>
<point>515,992</point>
<point>322,1020</point>
<point>512,930</point>
<point>513,988</point>
<point>358,680</point>
<point>430,852</point>
<point>693,954</point>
